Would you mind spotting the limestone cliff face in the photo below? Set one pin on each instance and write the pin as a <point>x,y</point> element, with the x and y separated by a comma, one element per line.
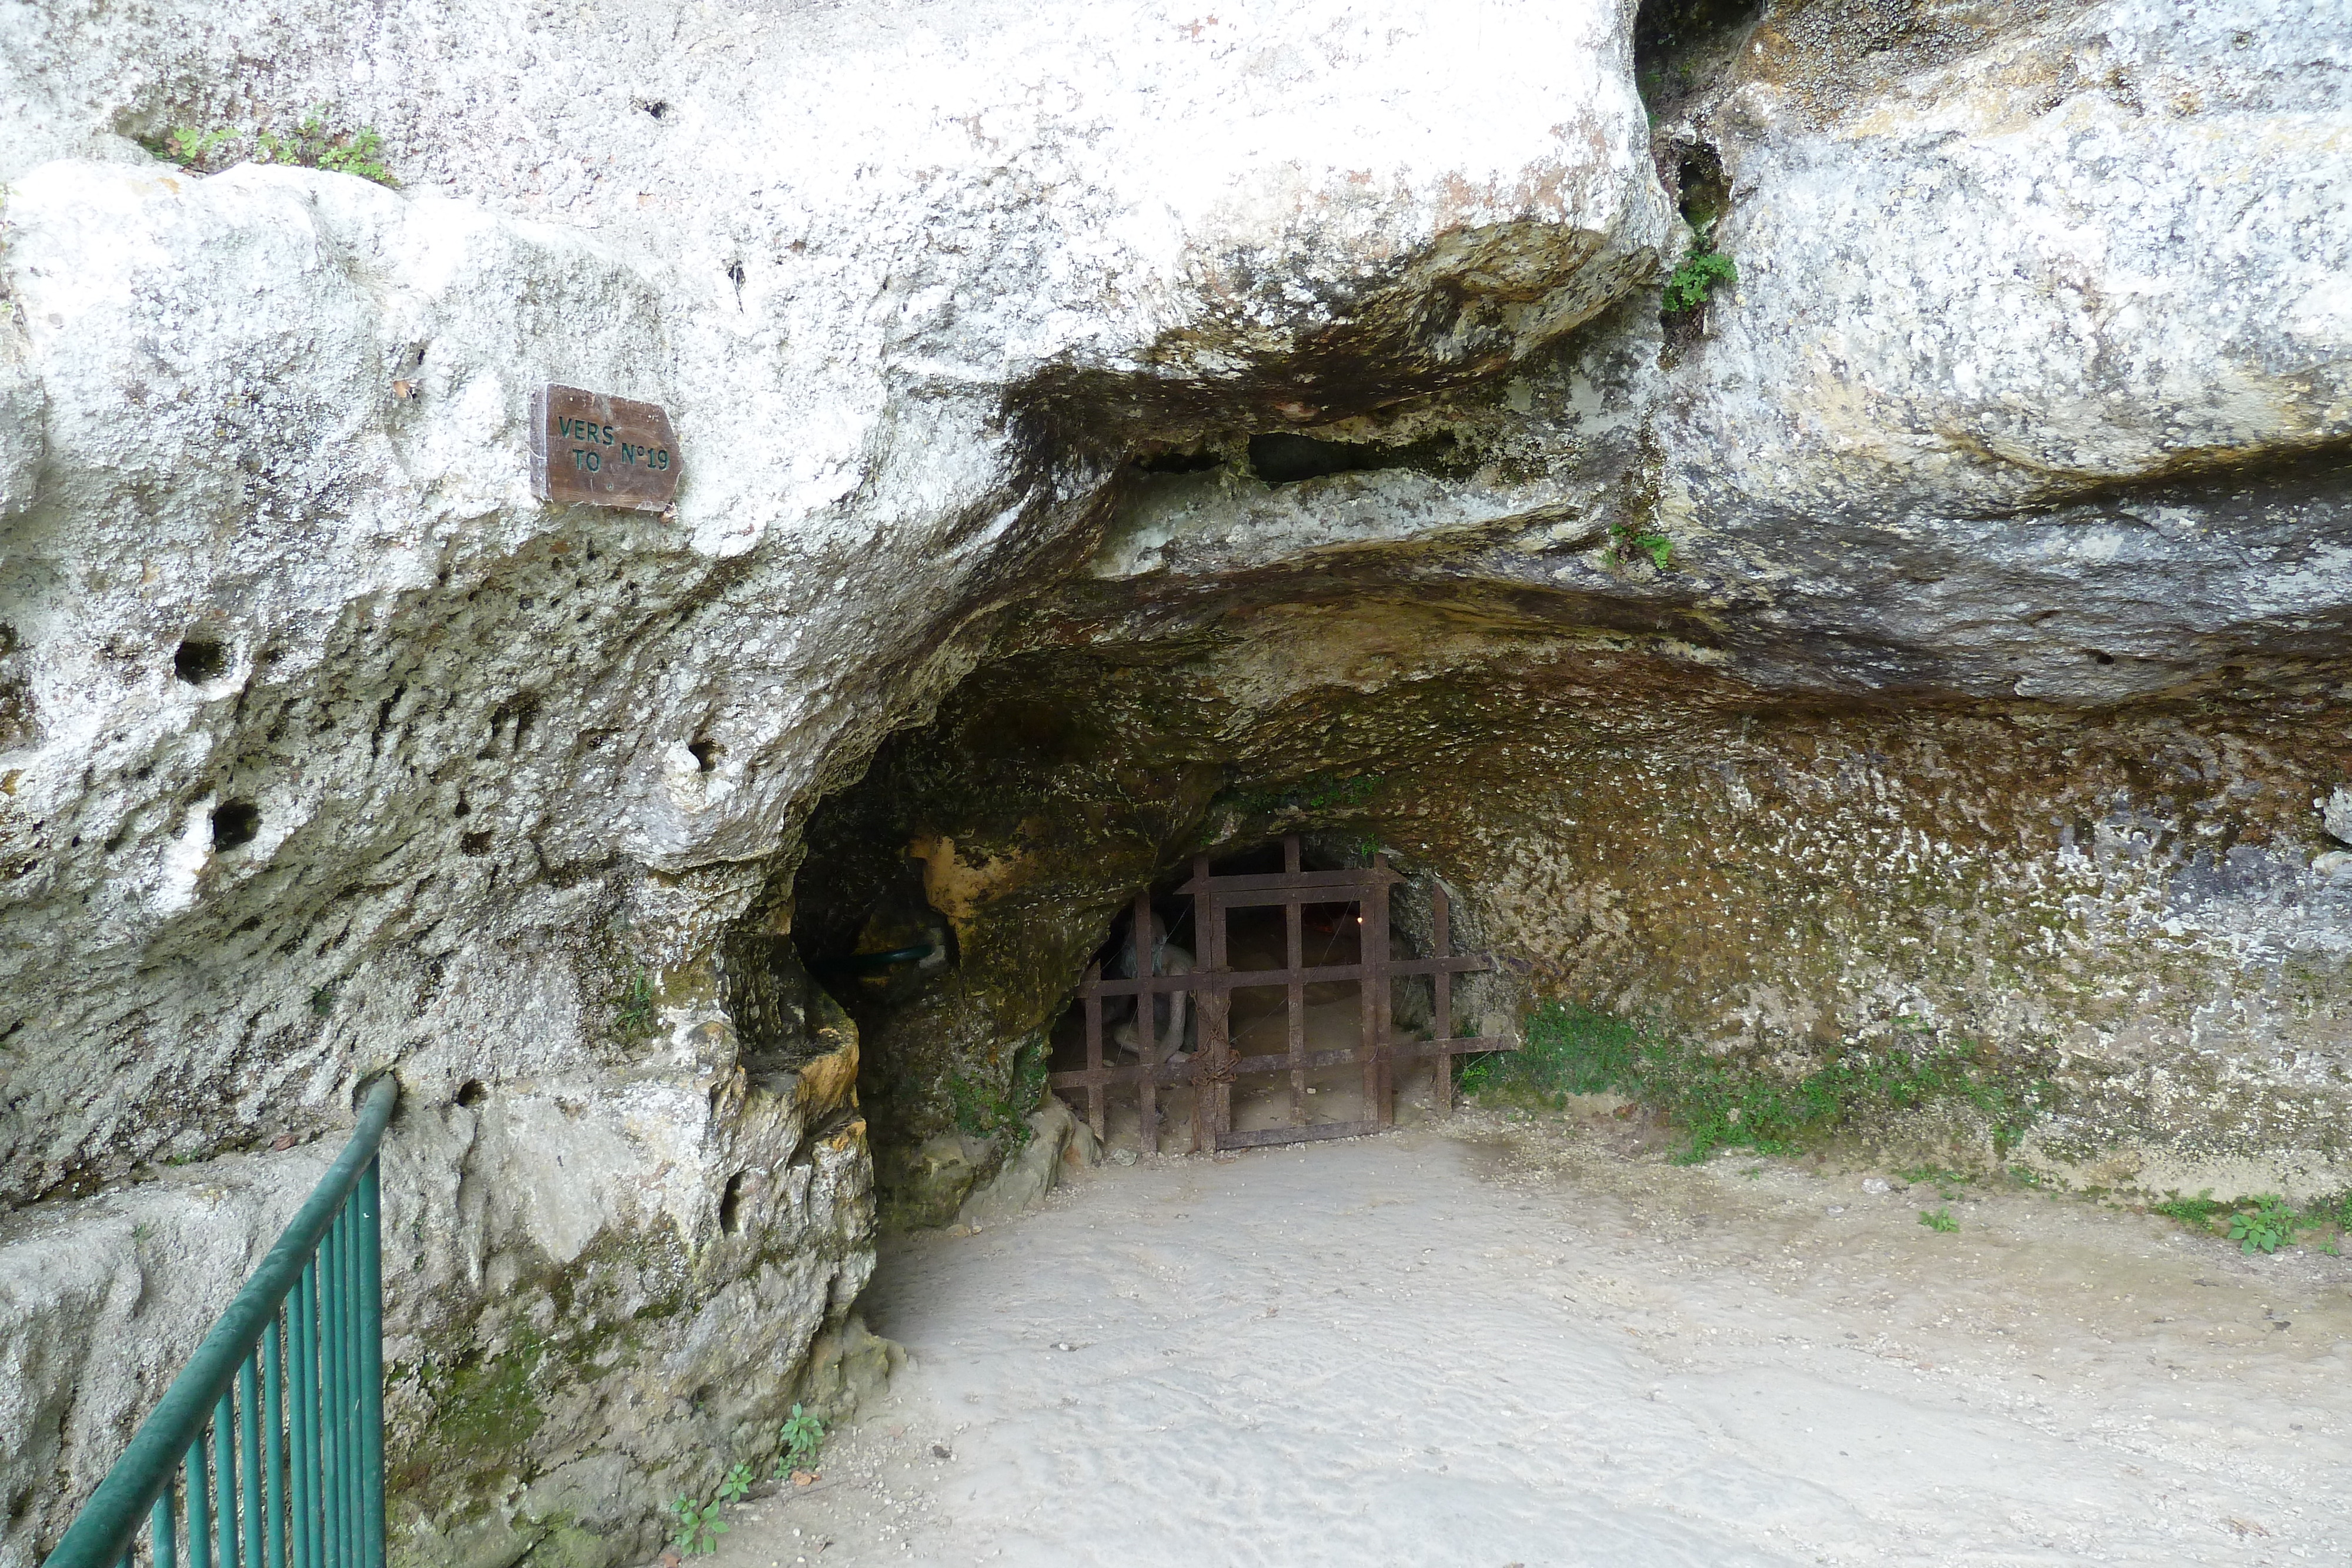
<point>1142,414</point>
<point>326,748</point>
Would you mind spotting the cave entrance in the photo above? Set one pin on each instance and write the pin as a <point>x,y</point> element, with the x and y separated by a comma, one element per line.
<point>1267,995</point>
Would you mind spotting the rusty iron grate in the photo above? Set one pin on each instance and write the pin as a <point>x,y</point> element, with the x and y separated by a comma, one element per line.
<point>1215,1068</point>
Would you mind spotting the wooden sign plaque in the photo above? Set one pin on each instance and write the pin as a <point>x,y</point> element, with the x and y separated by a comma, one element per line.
<point>598,451</point>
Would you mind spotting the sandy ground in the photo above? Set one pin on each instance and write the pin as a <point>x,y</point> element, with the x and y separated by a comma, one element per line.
<point>1532,1342</point>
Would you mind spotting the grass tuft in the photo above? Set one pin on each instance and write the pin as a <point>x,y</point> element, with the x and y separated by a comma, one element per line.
<point>1724,1101</point>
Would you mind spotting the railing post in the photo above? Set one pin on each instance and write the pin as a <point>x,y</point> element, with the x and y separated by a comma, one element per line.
<point>200,1529</point>
<point>273,1422</point>
<point>249,1459</point>
<point>371,1348</point>
<point>225,1480</point>
<point>302,1438</point>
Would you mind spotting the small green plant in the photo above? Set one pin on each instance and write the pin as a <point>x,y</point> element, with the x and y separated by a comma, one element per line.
<point>1625,539</point>
<point>636,1012</point>
<point>2197,1211</point>
<point>738,1483</point>
<point>2269,1225</point>
<point>1942,1178</point>
<point>312,145</point>
<point>141,1231</point>
<point>1939,1220</point>
<point>2339,1215</point>
<point>1690,284</point>
<point>803,1433</point>
<point>323,1000</point>
<point>699,1526</point>
<point>189,149</point>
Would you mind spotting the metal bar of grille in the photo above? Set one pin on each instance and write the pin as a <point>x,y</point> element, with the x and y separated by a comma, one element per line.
<point>1241,979</point>
<point>1372,952</point>
<point>1287,884</point>
<point>1294,994</point>
<point>1268,1136</point>
<point>1094,1079</point>
<point>1219,1073</point>
<point>1441,1017</point>
<point>1147,1027</point>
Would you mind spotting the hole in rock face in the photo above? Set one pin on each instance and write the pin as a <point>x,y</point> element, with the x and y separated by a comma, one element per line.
<point>1280,458</point>
<point>471,1093</point>
<point>474,843</point>
<point>510,724</point>
<point>236,823</point>
<point>2103,658</point>
<point>657,109</point>
<point>1178,462</point>
<point>200,659</point>
<point>1705,190</point>
<point>707,753</point>
<point>730,1203</point>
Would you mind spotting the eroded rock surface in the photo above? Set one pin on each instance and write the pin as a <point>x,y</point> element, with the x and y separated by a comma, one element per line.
<point>1163,421</point>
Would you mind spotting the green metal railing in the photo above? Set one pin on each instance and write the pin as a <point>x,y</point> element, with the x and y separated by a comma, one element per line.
<point>267,1449</point>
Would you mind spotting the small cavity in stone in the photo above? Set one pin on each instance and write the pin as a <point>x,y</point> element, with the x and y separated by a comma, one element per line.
<point>200,659</point>
<point>235,824</point>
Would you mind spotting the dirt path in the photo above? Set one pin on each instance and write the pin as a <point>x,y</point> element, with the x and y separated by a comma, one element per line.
<point>1525,1344</point>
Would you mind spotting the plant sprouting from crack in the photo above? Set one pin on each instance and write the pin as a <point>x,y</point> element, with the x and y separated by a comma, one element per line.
<point>1625,539</point>
<point>313,143</point>
<point>802,1435</point>
<point>1694,281</point>
<point>636,1013</point>
<point>2267,1226</point>
<point>699,1526</point>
